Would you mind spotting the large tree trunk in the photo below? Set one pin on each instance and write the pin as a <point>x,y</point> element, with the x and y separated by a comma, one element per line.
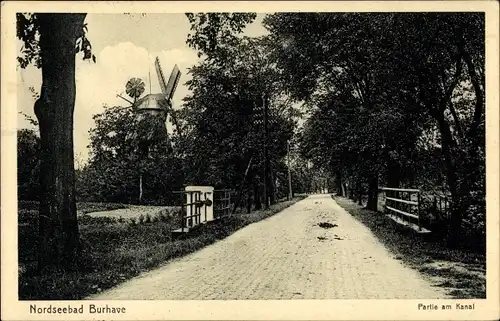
<point>360,192</point>
<point>393,173</point>
<point>256,195</point>
<point>343,189</point>
<point>449,146</point>
<point>272,188</point>
<point>58,226</point>
<point>338,183</point>
<point>249,202</point>
<point>372,193</point>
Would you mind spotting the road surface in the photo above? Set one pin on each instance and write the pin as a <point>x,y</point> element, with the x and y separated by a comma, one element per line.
<point>287,256</point>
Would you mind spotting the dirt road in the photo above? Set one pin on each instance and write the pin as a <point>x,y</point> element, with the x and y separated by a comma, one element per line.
<point>287,256</point>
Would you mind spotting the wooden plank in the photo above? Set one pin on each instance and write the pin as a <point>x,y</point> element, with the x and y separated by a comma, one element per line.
<point>401,212</point>
<point>415,227</point>
<point>402,201</point>
<point>194,215</point>
<point>400,189</point>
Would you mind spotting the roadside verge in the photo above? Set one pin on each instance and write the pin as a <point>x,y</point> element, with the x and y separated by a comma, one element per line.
<point>462,273</point>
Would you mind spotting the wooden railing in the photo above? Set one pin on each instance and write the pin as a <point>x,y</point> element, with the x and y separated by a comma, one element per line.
<point>223,198</point>
<point>441,206</point>
<point>404,203</point>
<point>194,204</point>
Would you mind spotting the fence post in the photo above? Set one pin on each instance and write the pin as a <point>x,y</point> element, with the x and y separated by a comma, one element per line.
<point>182,217</point>
<point>385,201</point>
<point>190,219</point>
<point>205,198</point>
<point>199,209</point>
<point>418,211</point>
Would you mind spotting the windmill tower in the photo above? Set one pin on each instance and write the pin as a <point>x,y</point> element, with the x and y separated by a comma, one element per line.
<point>155,108</point>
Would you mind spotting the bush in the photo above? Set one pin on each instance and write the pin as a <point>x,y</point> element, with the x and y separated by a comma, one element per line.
<point>27,216</point>
<point>99,220</point>
<point>28,148</point>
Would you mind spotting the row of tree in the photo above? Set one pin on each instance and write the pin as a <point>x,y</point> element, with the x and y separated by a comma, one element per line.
<point>395,98</point>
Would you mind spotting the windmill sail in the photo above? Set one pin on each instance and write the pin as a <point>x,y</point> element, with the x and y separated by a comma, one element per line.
<point>161,77</point>
<point>169,88</point>
<point>173,81</point>
<point>175,75</point>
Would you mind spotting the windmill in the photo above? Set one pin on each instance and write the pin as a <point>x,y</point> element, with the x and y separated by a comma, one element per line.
<point>152,110</point>
<point>153,107</point>
<point>158,105</point>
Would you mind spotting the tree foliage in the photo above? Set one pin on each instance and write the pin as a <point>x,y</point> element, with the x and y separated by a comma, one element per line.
<point>28,31</point>
<point>224,115</point>
<point>28,149</point>
<point>214,34</point>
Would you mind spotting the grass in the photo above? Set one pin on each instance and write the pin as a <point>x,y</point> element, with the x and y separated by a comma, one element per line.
<point>28,210</point>
<point>90,207</point>
<point>116,250</point>
<point>460,271</point>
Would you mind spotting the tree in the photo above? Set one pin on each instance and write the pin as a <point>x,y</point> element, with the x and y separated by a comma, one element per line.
<point>223,113</point>
<point>50,42</point>
<point>214,34</point>
<point>450,61</point>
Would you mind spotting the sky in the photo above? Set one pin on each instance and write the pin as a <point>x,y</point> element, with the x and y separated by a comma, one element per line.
<point>125,46</point>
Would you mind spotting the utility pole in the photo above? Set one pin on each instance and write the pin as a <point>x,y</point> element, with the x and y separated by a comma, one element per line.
<point>143,155</point>
<point>266,156</point>
<point>140,188</point>
<point>241,186</point>
<point>290,193</point>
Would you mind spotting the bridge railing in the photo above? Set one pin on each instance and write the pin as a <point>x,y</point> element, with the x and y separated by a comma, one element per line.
<point>403,203</point>
<point>191,211</point>
<point>224,200</point>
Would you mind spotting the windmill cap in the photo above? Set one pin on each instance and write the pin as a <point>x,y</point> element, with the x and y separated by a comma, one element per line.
<point>153,101</point>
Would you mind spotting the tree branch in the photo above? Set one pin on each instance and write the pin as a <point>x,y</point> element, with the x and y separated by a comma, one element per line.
<point>458,71</point>
<point>477,90</point>
<point>458,125</point>
<point>425,96</point>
